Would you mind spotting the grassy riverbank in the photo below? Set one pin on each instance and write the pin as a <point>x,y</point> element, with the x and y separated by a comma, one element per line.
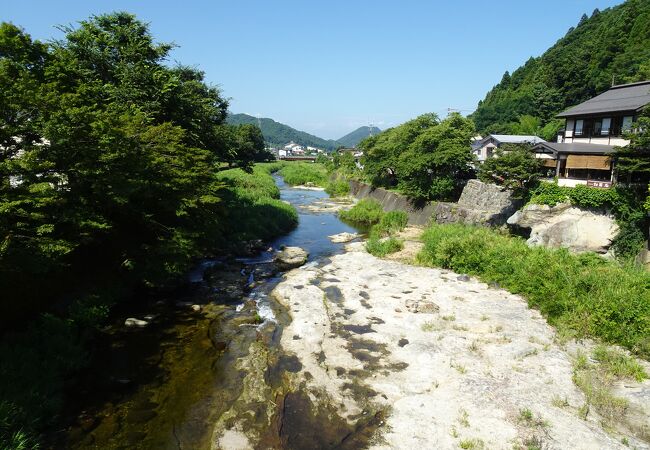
<point>583,295</point>
<point>303,173</point>
<point>253,206</point>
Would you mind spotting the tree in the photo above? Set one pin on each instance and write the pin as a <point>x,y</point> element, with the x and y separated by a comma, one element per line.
<point>513,166</point>
<point>381,152</point>
<point>527,125</point>
<point>425,158</point>
<point>107,155</point>
<point>633,160</point>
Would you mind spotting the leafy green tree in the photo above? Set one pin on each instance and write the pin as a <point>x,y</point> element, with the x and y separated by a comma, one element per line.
<point>344,162</point>
<point>425,158</point>
<point>633,160</point>
<point>527,125</point>
<point>381,152</point>
<point>107,154</point>
<point>513,166</point>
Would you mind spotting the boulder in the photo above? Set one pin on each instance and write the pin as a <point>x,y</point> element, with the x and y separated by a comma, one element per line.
<point>343,237</point>
<point>567,226</point>
<point>291,257</point>
<point>133,322</point>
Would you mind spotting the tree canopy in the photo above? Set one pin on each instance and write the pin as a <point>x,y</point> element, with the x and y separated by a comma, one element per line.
<point>425,158</point>
<point>106,154</point>
<point>513,166</point>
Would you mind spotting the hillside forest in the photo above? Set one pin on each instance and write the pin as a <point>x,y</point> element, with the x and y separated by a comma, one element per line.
<point>608,47</point>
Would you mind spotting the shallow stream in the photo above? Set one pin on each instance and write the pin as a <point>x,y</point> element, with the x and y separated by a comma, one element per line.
<point>167,384</point>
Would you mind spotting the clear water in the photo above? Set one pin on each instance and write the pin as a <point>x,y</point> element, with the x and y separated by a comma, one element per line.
<point>311,234</point>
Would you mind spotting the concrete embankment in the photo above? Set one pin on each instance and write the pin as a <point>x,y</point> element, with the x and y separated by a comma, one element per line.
<point>480,203</point>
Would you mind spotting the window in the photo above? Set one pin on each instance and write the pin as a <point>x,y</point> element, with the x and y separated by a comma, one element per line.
<point>627,123</point>
<point>606,125</point>
<point>579,125</point>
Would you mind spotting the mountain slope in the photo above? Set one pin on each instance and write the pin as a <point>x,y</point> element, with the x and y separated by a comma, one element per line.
<point>352,139</point>
<point>612,43</point>
<point>277,133</point>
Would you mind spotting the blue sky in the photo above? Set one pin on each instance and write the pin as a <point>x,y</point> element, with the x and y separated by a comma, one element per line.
<point>328,67</point>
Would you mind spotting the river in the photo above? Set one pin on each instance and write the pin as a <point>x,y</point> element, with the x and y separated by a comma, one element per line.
<point>166,385</point>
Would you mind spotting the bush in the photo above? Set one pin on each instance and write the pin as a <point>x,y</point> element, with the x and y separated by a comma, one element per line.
<point>381,247</point>
<point>338,188</point>
<point>551,194</point>
<point>585,293</point>
<point>514,167</point>
<point>392,222</point>
<point>366,211</point>
<point>301,173</point>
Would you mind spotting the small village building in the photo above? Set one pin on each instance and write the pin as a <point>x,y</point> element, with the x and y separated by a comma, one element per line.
<point>605,118</point>
<point>577,163</point>
<point>585,151</point>
<point>484,148</point>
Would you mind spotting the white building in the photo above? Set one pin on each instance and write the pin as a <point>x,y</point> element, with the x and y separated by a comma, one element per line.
<point>484,148</point>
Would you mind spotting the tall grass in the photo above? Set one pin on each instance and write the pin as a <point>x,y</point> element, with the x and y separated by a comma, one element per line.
<point>253,206</point>
<point>382,241</point>
<point>582,293</point>
<point>301,173</point>
<point>367,212</point>
<point>338,188</point>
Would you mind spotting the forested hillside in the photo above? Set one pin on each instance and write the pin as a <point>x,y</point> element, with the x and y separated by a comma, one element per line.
<point>613,44</point>
<point>358,135</point>
<point>279,134</point>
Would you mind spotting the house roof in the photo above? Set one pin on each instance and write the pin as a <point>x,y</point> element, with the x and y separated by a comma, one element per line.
<point>510,139</point>
<point>624,97</point>
<point>576,148</point>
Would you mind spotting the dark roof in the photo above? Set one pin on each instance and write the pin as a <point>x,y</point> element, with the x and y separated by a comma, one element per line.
<point>577,148</point>
<point>624,97</point>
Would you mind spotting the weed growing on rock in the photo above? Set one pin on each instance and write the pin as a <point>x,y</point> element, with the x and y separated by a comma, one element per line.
<point>472,444</point>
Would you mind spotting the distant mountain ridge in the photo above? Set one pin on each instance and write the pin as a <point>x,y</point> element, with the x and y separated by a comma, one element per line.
<point>353,139</point>
<point>279,134</point>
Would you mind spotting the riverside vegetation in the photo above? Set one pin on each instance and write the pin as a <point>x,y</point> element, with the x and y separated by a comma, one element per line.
<point>112,187</point>
<point>583,295</point>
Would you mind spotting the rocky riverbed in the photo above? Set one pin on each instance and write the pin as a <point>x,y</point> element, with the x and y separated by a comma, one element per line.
<point>425,358</point>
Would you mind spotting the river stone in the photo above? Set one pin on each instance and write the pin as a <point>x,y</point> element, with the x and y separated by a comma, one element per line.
<point>567,226</point>
<point>343,237</point>
<point>291,257</point>
<point>133,322</point>
<point>422,306</point>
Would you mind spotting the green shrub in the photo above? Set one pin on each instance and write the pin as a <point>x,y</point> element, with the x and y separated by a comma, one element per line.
<point>366,211</point>
<point>381,247</point>
<point>338,188</point>
<point>585,293</point>
<point>392,222</point>
<point>301,173</point>
<point>551,194</point>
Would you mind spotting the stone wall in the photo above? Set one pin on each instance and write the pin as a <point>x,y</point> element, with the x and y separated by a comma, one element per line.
<point>392,201</point>
<point>480,203</point>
